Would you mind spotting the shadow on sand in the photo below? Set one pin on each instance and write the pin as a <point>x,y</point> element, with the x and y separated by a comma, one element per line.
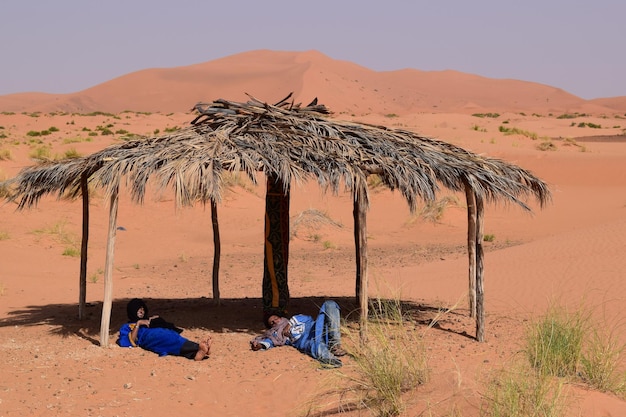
<point>243,315</point>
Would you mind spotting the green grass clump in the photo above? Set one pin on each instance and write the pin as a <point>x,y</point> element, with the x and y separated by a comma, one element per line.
<point>573,345</point>
<point>600,363</point>
<point>391,362</point>
<point>71,154</point>
<point>517,131</point>
<point>555,342</point>
<point>41,153</point>
<point>523,393</point>
<point>489,238</point>
<point>491,115</point>
<point>71,251</point>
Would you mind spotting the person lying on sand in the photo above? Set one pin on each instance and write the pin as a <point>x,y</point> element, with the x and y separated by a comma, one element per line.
<point>157,335</point>
<point>320,337</point>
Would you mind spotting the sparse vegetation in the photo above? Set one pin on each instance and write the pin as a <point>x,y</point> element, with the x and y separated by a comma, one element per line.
<point>72,153</point>
<point>71,251</point>
<point>4,235</point>
<point>434,210</point>
<point>489,238</point>
<point>41,153</point>
<point>5,154</point>
<point>392,362</point>
<point>567,344</point>
<point>521,392</point>
<point>491,115</point>
<point>546,145</point>
<point>478,128</point>
<point>571,116</point>
<point>329,245</point>
<point>517,131</point>
<point>311,220</point>
<point>58,232</point>
<point>590,125</point>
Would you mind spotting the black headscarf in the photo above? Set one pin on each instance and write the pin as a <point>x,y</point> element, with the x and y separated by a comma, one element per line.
<point>135,304</point>
<point>133,307</point>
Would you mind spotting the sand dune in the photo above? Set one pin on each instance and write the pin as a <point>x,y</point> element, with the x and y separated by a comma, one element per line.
<point>343,86</point>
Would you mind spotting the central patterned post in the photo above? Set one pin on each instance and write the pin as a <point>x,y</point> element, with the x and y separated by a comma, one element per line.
<point>276,259</point>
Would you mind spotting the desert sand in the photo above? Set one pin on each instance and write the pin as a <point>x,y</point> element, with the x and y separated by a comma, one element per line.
<point>570,252</point>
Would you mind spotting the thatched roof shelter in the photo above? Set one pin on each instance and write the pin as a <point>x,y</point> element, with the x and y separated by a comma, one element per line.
<point>289,143</point>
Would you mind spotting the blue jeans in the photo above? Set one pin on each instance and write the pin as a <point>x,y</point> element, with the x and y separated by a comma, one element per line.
<point>327,330</point>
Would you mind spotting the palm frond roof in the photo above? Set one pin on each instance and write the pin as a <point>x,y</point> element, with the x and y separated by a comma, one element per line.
<point>288,141</point>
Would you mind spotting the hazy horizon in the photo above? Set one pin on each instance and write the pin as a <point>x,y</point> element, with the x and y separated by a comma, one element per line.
<point>68,46</point>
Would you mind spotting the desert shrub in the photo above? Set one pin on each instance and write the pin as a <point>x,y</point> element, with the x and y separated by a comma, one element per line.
<point>523,392</point>
<point>71,251</point>
<point>4,235</point>
<point>5,154</point>
<point>391,362</point>
<point>566,344</point>
<point>71,154</point>
<point>517,131</point>
<point>590,125</point>
<point>58,232</point>
<point>554,343</point>
<point>546,145</point>
<point>601,360</point>
<point>433,211</point>
<point>489,238</point>
<point>492,115</point>
<point>40,153</point>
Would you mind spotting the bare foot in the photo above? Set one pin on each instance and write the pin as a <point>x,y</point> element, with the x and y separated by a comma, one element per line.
<point>204,350</point>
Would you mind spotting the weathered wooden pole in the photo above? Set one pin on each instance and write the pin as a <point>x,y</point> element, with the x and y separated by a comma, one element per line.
<point>108,271</point>
<point>471,246</point>
<point>216,252</point>
<point>82,281</point>
<point>480,293</point>
<point>360,243</point>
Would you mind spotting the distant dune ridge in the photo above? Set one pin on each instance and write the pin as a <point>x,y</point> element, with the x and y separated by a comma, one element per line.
<point>341,85</point>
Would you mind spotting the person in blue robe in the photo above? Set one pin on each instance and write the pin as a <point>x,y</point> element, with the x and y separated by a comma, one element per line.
<point>157,335</point>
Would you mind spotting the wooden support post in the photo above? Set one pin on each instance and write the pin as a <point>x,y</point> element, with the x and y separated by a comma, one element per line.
<point>471,246</point>
<point>82,281</point>
<point>276,257</point>
<point>108,271</point>
<point>360,243</point>
<point>480,293</point>
<point>216,253</point>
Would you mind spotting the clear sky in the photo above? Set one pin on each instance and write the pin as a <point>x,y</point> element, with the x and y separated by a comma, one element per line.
<point>65,46</point>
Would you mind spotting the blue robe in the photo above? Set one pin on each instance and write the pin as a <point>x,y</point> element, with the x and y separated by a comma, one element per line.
<point>161,341</point>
